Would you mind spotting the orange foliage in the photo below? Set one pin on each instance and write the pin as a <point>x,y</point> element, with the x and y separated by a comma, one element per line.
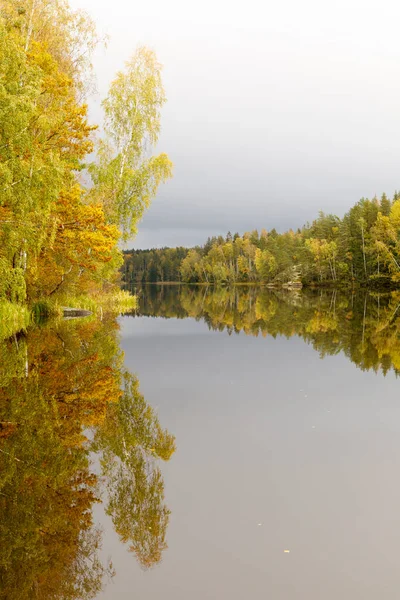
<point>78,244</point>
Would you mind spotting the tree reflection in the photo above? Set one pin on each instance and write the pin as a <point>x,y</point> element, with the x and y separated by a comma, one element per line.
<point>129,440</point>
<point>62,386</point>
<point>364,326</point>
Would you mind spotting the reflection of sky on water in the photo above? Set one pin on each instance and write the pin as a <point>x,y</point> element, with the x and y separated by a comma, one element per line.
<point>268,433</point>
<point>150,326</point>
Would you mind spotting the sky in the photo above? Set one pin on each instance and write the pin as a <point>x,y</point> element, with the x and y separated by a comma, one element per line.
<point>275,110</point>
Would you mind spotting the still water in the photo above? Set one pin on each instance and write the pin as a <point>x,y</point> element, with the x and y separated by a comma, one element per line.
<point>253,453</point>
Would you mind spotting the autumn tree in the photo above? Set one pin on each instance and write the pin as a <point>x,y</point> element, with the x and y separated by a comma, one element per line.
<point>55,235</point>
<point>125,177</point>
<point>44,133</point>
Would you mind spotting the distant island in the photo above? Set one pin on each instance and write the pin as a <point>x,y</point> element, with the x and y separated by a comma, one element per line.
<point>362,248</point>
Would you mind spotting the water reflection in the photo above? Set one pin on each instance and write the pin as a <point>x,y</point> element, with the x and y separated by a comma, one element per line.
<point>362,325</point>
<point>63,394</point>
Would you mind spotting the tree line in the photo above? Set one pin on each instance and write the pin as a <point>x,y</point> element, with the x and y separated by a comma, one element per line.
<point>61,214</point>
<point>151,266</point>
<point>361,248</point>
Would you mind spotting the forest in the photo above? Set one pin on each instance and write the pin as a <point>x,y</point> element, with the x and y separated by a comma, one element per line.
<point>69,194</point>
<point>362,248</point>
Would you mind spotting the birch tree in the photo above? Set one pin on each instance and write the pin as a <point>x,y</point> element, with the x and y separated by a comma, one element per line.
<point>126,176</point>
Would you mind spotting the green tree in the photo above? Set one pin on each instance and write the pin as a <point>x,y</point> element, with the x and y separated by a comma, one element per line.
<point>125,178</point>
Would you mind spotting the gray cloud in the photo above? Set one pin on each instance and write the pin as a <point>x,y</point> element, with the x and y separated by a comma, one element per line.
<point>275,110</point>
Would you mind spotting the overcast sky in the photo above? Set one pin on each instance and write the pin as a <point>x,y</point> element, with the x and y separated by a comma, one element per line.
<point>275,109</point>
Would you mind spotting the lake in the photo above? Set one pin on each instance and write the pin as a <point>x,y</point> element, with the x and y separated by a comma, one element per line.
<point>253,453</point>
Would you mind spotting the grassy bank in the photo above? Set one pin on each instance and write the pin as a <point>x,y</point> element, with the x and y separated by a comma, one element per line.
<point>111,302</point>
<point>18,317</point>
<point>13,318</point>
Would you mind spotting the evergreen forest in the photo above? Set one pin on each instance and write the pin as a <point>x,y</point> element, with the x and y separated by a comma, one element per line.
<point>362,248</point>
